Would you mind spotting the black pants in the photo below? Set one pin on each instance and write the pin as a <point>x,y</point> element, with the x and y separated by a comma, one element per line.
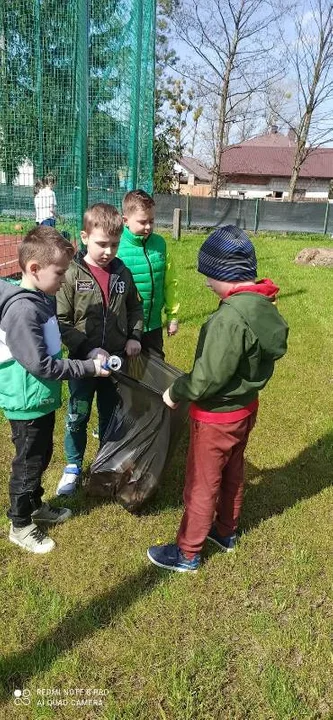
<point>33,440</point>
<point>152,342</point>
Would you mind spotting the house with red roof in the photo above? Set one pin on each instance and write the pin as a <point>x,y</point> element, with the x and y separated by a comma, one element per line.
<point>261,168</point>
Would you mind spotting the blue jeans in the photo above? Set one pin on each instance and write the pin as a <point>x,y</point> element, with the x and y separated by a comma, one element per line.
<point>49,221</point>
<point>79,408</point>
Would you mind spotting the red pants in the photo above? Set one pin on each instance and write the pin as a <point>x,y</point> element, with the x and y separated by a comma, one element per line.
<point>214,481</point>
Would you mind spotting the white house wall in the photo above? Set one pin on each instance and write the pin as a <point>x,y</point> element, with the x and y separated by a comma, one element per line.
<point>314,189</point>
<point>25,175</point>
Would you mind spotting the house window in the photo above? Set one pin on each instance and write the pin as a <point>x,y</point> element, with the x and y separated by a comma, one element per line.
<point>278,194</point>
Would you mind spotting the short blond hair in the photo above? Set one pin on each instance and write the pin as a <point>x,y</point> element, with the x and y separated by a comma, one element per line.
<point>137,200</point>
<point>104,216</point>
<point>43,244</point>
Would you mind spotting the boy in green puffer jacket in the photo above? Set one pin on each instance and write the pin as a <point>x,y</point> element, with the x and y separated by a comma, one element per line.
<point>146,255</point>
<point>235,357</point>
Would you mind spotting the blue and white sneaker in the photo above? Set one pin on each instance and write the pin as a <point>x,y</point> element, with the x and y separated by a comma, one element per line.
<point>69,480</point>
<point>171,557</point>
<point>226,544</point>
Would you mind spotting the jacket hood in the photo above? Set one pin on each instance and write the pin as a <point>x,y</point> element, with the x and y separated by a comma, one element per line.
<point>10,291</point>
<point>263,318</point>
<point>263,287</point>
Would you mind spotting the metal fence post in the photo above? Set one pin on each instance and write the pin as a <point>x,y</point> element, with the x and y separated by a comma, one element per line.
<point>81,139</point>
<point>38,55</point>
<point>135,99</point>
<point>188,211</point>
<point>256,216</point>
<point>176,227</point>
<point>327,210</point>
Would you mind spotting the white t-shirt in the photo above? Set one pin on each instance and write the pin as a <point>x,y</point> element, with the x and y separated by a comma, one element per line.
<point>45,204</point>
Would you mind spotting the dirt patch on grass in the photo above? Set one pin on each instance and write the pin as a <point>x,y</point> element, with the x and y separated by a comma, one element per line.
<point>315,256</point>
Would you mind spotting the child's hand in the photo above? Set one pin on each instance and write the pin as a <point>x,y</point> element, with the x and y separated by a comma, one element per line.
<point>133,348</point>
<point>99,354</point>
<point>172,327</point>
<point>100,371</point>
<point>167,400</point>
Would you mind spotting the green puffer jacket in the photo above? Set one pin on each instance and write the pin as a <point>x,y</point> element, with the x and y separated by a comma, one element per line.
<point>84,322</point>
<point>235,356</point>
<point>154,275</point>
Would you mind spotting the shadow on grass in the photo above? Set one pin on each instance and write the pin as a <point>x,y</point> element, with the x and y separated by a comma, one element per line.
<point>282,487</point>
<point>80,623</point>
<point>301,291</point>
<point>268,492</point>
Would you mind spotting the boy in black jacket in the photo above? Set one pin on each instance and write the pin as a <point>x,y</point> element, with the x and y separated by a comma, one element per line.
<point>100,313</point>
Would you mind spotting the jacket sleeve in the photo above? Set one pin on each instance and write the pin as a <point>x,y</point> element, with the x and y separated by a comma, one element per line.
<point>75,340</point>
<point>215,364</point>
<point>134,308</point>
<point>171,304</point>
<point>25,340</point>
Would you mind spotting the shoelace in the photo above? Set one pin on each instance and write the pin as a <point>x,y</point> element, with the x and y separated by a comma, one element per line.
<point>38,534</point>
<point>54,511</point>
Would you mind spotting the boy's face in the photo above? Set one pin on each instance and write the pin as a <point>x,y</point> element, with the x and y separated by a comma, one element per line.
<point>219,287</point>
<point>140,222</point>
<point>222,288</point>
<point>101,248</point>
<point>50,277</point>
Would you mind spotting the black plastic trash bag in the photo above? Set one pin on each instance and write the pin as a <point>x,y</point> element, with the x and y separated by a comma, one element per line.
<point>141,434</point>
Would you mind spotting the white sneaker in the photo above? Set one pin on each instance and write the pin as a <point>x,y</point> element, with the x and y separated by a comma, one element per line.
<point>31,538</point>
<point>50,515</point>
<point>69,480</point>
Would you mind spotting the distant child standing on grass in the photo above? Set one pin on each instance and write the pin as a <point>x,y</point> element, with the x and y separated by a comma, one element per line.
<point>30,373</point>
<point>45,202</point>
<point>100,313</point>
<point>146,254</point>
<point>37,188</point>
<point>235,356</point>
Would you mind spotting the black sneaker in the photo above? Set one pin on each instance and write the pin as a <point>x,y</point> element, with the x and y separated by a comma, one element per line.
<point>50,515</point>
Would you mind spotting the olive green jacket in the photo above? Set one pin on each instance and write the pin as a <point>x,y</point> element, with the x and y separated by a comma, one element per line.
<point>84,321</point>
<point>236,353</point>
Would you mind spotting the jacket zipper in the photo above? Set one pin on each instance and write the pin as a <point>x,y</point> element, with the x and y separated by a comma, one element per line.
<point>152,284</point>
<point>111,286</point>
<point>86,269</point>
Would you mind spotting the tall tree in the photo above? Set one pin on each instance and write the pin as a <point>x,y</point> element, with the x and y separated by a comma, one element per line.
<point>232,42</point>
<point>312,60</point>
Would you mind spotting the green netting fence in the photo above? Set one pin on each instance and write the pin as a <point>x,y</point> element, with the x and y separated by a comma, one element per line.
<point>76,101</point>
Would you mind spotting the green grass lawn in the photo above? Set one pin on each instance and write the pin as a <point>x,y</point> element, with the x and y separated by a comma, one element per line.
<point>248,637</point>
<point>8,226</point>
